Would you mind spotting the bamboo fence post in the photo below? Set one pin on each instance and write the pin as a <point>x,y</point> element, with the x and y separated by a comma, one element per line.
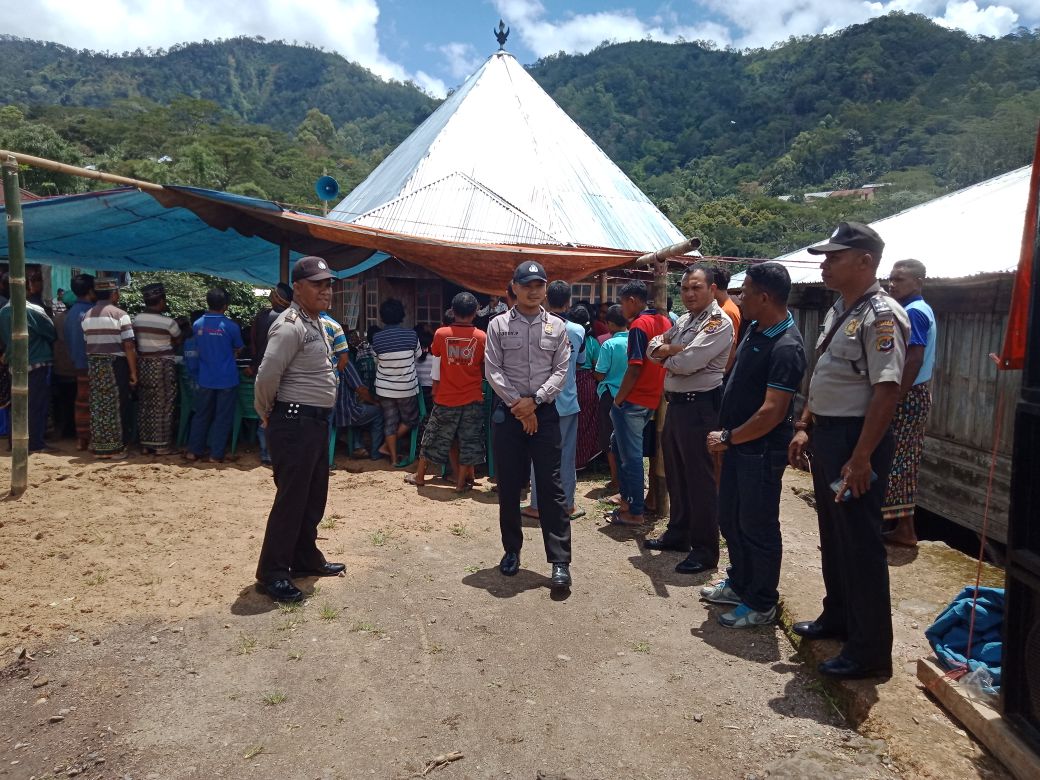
<point>18,350</point>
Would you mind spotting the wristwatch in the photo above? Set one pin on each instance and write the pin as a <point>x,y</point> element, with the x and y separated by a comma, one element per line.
<point>724,436</point>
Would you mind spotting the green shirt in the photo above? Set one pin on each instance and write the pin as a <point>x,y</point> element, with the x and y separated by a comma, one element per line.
<point>41,333</point>
<point>612,363</point>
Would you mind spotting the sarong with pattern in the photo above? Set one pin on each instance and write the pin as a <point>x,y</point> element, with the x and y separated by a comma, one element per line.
<point>588,419</point>
<point>106,403</point>
<point>81,414</point>
<point>908,430</point>
<point>156,399</point>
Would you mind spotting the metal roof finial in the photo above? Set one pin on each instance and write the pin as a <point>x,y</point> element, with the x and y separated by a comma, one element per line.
<point>501,34</point>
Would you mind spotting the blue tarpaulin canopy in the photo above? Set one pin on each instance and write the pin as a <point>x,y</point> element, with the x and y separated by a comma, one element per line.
<point>125,229</point>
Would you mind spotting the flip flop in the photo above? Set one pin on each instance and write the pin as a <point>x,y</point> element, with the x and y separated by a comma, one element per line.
<point>614,518</point>
<point>579,513</point>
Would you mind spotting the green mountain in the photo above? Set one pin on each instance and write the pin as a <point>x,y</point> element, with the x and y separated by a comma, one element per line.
<point>711,135</point>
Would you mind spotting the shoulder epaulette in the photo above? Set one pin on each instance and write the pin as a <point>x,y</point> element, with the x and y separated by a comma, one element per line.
<point>879,302</point>
<point>290,315</point>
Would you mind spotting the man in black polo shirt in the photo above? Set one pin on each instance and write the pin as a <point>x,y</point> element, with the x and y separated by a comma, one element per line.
<point>757,426</point>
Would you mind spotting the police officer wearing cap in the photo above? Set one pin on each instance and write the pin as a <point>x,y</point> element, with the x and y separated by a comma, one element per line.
<point>295,393</point>
<point>844,430</point>
<point>525,361</point>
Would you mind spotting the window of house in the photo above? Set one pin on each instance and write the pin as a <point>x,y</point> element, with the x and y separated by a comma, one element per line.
<point>371,303</point>
<point>429,306</point>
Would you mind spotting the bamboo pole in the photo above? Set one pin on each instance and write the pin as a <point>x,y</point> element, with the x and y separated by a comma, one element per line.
<point>18,350</point>
<point>75,170</point>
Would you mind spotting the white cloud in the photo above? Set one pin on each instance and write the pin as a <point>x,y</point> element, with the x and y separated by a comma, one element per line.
<point>578,33</point>
<point>994,20</point>
<point>461,59</point>
<point>347,27</point>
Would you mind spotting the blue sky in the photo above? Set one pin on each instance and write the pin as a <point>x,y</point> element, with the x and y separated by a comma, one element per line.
<point>437,43</point>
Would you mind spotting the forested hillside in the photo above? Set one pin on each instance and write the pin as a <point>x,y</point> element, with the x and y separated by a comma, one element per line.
<point>712,136</point>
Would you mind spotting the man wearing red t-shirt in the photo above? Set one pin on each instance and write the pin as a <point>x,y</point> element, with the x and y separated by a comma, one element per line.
<point>636,400</point>
<point>458,397</point>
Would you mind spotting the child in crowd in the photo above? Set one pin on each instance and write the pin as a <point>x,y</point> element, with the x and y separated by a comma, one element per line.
<point>397,385</point>
<point>610,370</point>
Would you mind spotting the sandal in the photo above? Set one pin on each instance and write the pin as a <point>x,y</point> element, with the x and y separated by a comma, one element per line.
<point>614,518</point>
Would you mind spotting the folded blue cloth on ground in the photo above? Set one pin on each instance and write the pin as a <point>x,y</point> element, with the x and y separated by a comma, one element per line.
<point>948,635</point>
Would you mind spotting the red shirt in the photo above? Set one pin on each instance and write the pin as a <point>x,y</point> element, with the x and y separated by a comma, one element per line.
<point>460,349</point>
<point>648,388</point>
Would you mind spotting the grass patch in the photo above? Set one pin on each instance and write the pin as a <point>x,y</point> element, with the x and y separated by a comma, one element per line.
<point>328,612</point>
<point>472,569</point>
<point>97,579</point>
<point>289,625</point>
<point>253,752</point>
<point>273,698</point>
<point>364,627</point>
<point>641,647</point>
<point>435,648</point>
<point>327,523</point>
<point>458,529</point>
<point>425,527</point>
<point>295,656</point>
<point>289,607</point>
<point>246,644</point>
<point>379,537</point>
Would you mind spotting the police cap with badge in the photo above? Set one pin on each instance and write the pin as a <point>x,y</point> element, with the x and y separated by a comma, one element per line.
<point>851,235</point>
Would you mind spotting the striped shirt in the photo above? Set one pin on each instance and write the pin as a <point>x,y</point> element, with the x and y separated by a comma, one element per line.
<point>105,328</point>
<point>396,349</point>
<point>155,334</point>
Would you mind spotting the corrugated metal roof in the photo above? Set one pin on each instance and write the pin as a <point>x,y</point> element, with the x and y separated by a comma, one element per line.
<point>975,230</point>
<point>509,141</point>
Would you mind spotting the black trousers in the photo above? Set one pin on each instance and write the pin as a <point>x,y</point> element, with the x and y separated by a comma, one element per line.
<point>300,458</point>
<point>515,453</point>
<point>855,563</point>
<point>690,473</point>
<point>39,387</point>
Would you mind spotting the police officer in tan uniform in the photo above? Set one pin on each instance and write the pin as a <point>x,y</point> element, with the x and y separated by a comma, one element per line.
<point>694,353</point>
<point>525,361</point>
<point>844,430</point>
<point>295,393</point>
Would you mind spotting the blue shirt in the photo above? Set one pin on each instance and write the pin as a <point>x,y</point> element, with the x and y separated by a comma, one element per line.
<point>75,341</point>
<point>567,400</point>
<point>612,363</point>
<point>216,339</point>
<point>922,333</point>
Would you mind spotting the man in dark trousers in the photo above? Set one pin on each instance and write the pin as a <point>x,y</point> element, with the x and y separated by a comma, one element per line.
<point>295,393</point>
<point>756,429</point>
<point>694,353</point>
<point>525,361</point>
<point>845,430</point>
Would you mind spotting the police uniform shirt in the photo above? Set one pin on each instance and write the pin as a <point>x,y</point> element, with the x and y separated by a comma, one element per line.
<point>297,365</point>
<point>707,339</point>
<point>869,348</point>
<point>527,358</point>
<point>771,357</point>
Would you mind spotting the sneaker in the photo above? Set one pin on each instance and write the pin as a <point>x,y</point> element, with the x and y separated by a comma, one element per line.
<point>720,593</point>
<point>745,617</point>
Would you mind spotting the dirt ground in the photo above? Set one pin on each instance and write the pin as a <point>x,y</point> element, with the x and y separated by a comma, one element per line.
<point>133,644</point>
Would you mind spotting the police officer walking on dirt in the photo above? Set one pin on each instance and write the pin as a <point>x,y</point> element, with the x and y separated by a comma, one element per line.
<point>526,361</point>
<point>844,429</point>
<point>295,394</point>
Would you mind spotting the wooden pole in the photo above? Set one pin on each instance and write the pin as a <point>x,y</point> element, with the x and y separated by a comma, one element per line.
<point>75,170</point>
<point>18,349</point>
<point>603,288</point>
<point>658,483</point>
<point>283,262</point>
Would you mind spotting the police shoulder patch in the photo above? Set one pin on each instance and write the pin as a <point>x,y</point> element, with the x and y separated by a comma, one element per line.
<point>290,315</point>
<point>879,302</point>
<point>885,325</point>
<point>885,343</point>
<point>713,324</point>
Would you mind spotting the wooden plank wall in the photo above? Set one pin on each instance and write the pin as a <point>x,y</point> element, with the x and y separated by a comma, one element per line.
<point>968,394</point>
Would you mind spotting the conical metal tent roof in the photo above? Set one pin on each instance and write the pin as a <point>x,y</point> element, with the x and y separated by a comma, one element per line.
<point>500,162</point>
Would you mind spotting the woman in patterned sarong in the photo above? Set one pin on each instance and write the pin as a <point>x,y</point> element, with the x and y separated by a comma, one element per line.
<point>81,411</point>
<point>109,398</point>
<point>157,335</point>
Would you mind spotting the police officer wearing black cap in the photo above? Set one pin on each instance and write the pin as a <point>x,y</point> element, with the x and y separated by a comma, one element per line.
<point>844,429</point>
<point>295,393</point>
<point>526,362</point>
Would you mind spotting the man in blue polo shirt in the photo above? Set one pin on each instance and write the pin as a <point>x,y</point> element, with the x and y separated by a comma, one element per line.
<point>756,429</point>
<point>217,340</point>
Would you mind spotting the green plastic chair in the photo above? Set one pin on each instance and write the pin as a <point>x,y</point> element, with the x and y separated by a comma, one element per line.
<point>413,448</point>
<point>187,391</point>
<point>244,410</point>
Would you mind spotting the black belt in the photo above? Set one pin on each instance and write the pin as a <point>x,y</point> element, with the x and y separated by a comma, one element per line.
<point>292,410</point>
<point>691,397</point>
<point>825,421</point>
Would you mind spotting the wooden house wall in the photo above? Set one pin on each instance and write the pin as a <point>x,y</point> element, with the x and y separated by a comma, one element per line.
<point>971,399</point>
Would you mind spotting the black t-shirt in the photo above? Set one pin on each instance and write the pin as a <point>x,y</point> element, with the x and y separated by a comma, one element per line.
<point>774,357</point>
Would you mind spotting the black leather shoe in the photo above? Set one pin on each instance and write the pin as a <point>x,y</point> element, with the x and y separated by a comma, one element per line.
<point>561,576</point>
<point>281,590</point>
<point>692,565</point>
<point>811,629</point>
<point>660,543</point>
<point>510,564</point>
<point>326,570</point>
<point>845,669</point>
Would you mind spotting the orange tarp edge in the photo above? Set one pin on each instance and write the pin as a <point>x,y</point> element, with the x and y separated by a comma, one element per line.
<point>1013,354</point>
